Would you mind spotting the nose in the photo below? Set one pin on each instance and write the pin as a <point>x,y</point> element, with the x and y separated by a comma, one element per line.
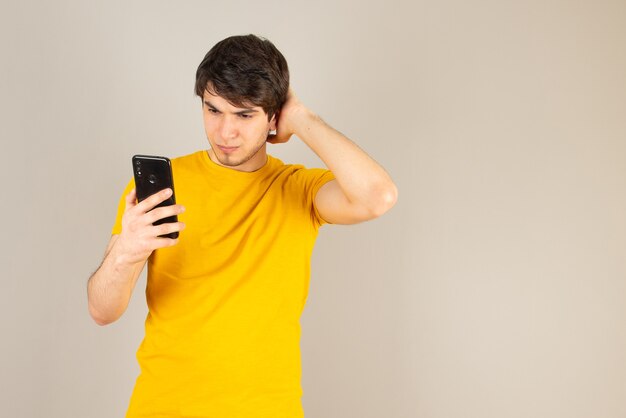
<point>228,129</point>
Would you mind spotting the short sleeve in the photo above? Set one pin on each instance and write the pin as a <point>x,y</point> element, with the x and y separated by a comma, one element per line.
<point>311,180</point>
<point>121,207</point>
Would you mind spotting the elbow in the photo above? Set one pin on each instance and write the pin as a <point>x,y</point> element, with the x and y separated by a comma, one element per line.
<point>102,322</point>
<point>385,198</point>
<point>99,319</point>
<point>101,310</point>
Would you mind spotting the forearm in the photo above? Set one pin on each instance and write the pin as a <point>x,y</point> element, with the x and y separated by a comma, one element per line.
<point>363,181</point>
<point>109,289</point>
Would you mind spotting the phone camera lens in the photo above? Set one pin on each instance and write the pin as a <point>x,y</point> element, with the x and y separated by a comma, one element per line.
<point>137,163</point>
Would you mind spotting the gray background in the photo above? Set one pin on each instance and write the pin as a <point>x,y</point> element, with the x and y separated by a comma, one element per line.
<point>495,288</point>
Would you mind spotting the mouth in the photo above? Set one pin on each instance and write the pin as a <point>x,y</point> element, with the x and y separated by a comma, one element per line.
<point>227,150</point>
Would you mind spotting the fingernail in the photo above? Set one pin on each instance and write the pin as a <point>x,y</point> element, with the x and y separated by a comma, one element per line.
<point>167,192</point>
<point>182,209</point>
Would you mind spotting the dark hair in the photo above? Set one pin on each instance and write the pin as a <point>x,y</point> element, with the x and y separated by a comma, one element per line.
<point>245,70</point>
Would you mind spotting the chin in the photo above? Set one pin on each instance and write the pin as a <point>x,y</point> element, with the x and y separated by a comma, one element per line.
<point>231,163</point>
<point>229,160</point>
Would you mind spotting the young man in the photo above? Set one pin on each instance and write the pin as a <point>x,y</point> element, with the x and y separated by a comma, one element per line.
<point>225,298</point>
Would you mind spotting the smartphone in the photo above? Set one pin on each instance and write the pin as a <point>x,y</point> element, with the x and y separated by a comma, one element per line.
<point>153,174</point>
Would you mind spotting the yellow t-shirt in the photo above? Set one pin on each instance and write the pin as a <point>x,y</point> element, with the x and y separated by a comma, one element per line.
<point>222,332</point>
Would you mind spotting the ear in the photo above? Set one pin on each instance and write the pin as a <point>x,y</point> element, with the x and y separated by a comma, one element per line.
<point>273,122</point>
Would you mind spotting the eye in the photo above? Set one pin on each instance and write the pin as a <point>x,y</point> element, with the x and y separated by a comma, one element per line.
<point>245,116</point>
<point>211,110</point>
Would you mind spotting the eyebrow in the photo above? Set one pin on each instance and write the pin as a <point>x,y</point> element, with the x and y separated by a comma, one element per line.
<point>246,109</point>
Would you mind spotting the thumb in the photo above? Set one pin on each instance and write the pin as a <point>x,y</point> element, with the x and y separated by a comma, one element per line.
<point>278,138</point>
<point>131,199</point>
<point>271,138</point>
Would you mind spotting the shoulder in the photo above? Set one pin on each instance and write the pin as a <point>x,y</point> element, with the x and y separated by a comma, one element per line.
<point>189,163</point>
<point>277,166</point>
<point>299,176</point>
<point>186,159</point>
<point>286,171</point>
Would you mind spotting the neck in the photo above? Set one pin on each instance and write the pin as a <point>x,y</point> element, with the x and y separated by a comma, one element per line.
<point>254,163</point>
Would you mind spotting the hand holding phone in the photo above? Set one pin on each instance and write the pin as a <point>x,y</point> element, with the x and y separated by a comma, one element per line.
<point>153,174</point>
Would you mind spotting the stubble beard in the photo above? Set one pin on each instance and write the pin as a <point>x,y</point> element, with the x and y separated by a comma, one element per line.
<point>235,163</point>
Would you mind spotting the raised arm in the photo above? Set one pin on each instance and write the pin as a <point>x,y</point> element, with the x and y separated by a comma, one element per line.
<point>362,189</point>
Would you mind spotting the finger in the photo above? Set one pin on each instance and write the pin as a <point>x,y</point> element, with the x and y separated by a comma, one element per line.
<point>164,242</point>
<point>163,212</point>
<point>167,228</point>
<point>131,199</point>
<point>277,139</point>
<point>150,202</point>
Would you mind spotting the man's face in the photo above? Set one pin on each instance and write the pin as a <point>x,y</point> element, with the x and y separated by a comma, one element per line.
<point>237,135</point>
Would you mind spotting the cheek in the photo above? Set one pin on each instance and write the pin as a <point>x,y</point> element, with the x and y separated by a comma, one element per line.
<point>247,132</point>
<point>209,126</point>
<point>259,129</point>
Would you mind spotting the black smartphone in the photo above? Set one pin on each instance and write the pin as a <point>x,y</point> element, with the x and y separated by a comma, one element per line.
<point>153,174</point>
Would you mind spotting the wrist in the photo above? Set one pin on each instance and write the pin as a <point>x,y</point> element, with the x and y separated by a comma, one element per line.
<point>121,260</point>
<point>306,121</point>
